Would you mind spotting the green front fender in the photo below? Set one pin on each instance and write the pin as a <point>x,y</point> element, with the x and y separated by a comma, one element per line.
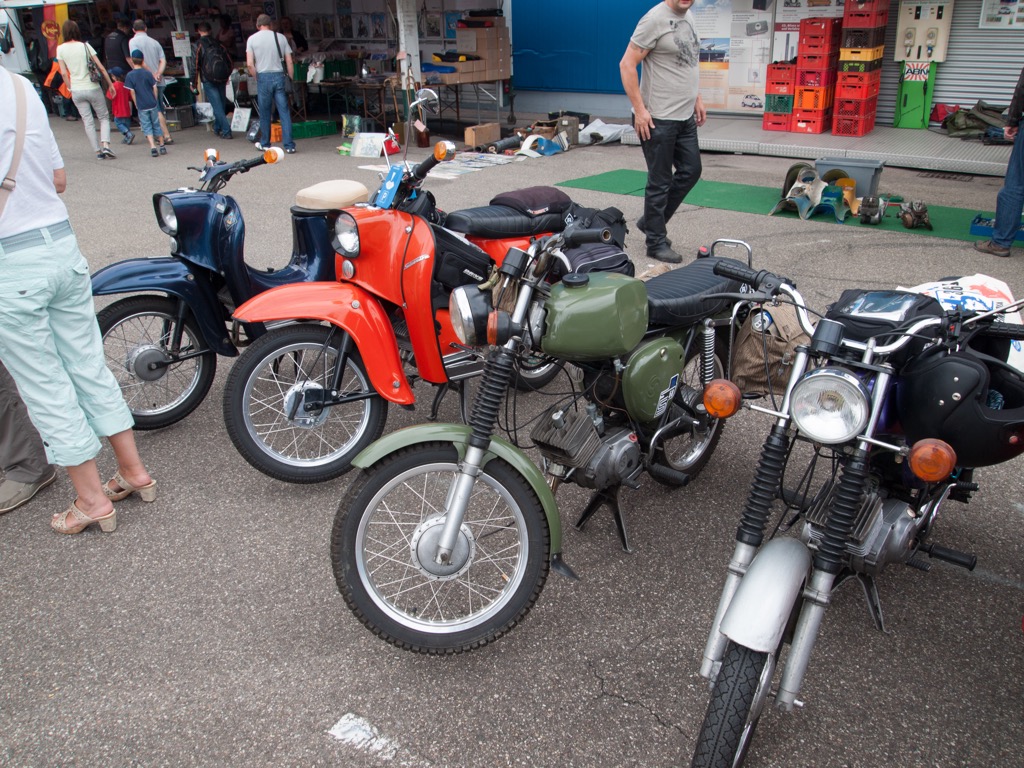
<point>458,435</point>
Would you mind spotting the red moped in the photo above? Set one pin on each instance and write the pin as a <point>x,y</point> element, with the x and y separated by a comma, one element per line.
<point>307,396</point>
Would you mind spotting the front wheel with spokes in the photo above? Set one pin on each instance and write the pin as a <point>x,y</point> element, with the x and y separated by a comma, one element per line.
<point>276,405</point>
<point>384,543</point>
<point>160,363</point>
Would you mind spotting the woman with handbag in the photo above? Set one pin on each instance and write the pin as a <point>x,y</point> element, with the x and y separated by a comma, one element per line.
<point>88,80</point>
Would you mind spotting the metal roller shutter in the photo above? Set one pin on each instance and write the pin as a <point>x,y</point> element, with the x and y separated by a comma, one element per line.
<point>980,63</point>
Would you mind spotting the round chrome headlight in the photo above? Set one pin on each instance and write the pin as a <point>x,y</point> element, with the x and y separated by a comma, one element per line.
<point>166,216</point>
<point>346,235</point>
<point>830,406</point>
<point>468,308</point>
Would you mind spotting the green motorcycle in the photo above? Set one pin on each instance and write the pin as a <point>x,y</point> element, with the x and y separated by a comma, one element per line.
<point>445,538</point>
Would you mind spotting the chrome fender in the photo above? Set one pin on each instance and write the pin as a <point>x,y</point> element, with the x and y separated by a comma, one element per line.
<point>458,435</point>
<point>760,609</point>
<point>350,308</point>
<point>174,278</point>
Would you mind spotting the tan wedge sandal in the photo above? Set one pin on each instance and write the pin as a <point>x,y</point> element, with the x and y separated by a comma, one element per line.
<point>146,492</point>
<point>107,523</point>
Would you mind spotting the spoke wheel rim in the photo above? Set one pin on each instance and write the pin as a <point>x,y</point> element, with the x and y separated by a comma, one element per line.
<point>278,383</point>
<point>682,451</point>
<point>404,588</point>
<point>142,338</point>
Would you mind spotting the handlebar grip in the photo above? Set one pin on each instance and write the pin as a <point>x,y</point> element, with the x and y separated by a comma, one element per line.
<point>421,170</point>
<point>574,237</point>
<point>735,270</point>
<point>1010,331</point>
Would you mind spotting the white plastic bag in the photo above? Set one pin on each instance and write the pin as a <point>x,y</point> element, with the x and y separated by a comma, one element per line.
<point>204,112</point>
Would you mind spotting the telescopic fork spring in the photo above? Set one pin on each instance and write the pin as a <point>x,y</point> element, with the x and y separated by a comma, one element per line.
<point>764,489</point>
<point>842,517</point>
<point>498,373</point>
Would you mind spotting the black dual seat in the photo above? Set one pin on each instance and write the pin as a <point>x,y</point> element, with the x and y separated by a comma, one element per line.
<point>500,221</point>
<point>678,297</point>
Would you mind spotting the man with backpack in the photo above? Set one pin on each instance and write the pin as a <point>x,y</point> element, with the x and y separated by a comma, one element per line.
<point>213,68</point>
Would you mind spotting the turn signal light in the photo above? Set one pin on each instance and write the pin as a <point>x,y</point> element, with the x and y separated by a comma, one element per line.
<point>211,155</point>
<point>722,398</point>
<point>272,155</point>
<point>499,328</point>
<point>932,460</point>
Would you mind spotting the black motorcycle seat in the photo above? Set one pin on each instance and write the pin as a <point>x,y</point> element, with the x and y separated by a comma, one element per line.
<point>677,297</point>
<point>500,221</point>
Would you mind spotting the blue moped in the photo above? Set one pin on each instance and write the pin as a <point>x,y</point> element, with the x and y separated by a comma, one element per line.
<point>163,349</point>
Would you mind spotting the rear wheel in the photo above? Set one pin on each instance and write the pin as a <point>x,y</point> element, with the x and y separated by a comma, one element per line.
<point>534,372</point>
<point>385,536</point>
<point>737,701</point>
<point>274,412</point>
<point>691,450</point>
<point>159,387</point>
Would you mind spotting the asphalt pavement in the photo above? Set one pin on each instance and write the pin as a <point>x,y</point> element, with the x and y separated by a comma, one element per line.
<point>207,630</point>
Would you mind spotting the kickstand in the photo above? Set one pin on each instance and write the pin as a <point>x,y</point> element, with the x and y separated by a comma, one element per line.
<point>609,496</point>
<point>442,390</point>
<point>870,587</point>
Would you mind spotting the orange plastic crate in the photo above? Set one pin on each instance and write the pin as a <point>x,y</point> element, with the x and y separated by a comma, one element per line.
<point>275,132</point>
<point>855,107</point>
<point>813,98</point>
<point>858,85</point>
<point>861,54</point>
<point>805,123</point>
<point>853,126</point>
<point>815,78</point>
<point>776,122</point>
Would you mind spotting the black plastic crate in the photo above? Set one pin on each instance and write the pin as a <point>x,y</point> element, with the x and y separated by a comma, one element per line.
<point>863,38</point>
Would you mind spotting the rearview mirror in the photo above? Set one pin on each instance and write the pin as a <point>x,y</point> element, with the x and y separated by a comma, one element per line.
<point>426,98</point>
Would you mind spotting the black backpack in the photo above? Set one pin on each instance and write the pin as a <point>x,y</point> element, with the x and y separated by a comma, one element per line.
<point>214,64</point>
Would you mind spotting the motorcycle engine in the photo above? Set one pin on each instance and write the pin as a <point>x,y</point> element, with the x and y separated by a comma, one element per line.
<point>581,450</point>
<point>885,531</point>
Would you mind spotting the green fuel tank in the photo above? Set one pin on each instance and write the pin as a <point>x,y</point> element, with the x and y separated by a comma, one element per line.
<point>594,316</point>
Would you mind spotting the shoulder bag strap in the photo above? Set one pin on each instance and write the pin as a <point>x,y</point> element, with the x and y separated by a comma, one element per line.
<point>7,187</point>
<point>284,66</point>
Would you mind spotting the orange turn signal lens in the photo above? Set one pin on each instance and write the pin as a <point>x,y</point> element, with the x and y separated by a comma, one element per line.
<point>932,460</point>
<point>722,398</point>
<point>211,155</point>
<point>440,151</point>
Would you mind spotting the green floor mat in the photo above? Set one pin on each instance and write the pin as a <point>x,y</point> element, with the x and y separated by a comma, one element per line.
<point>949,223</point>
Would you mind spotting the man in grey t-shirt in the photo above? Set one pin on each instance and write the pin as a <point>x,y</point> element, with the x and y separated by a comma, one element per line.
<point>269,59</point>
<point>667,109</point>
<point>156,62</point>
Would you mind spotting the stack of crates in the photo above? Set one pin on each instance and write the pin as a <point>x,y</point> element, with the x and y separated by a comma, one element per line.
<point>778,102</point>
<point>817,58</point>
<point>860,66</point>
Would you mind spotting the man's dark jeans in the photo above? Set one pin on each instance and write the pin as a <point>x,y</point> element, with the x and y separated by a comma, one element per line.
<point>672,145</point>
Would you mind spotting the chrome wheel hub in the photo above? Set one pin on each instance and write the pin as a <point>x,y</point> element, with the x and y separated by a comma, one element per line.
<point>423,549</point>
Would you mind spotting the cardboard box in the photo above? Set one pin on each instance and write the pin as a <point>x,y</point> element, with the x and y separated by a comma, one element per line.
<point>485,133</point>
<point>465,40</point>
<point>570,126</point>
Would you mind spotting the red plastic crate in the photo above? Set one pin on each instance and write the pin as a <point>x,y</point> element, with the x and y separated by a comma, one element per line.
<point>815,78</point>
<point>857,20</point>
<point>780,87</point>
<point>865,6</point>
<point>858,85</point>
<point>820,26</point>
<point>817,44</point>
<point>815,61</point>
<point>782,72</point>
<point>813,98</point>
<point>813,122</point>
<point>853,126</point>
<point>855,107</point>
<point>776,122</point>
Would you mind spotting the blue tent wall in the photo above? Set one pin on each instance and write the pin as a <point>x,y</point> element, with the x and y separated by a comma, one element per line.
<point>572,45</point>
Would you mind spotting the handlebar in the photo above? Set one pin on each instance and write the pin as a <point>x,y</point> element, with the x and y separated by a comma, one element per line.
<point>1010,331</point>
<point>573,237</point>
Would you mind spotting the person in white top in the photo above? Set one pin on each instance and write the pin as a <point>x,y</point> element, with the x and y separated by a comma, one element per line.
<point>74,57</point>
<point>156,62</point>
<point>49,339</point>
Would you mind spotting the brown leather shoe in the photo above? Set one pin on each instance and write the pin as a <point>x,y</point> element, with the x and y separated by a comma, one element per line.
<point>987,246</point>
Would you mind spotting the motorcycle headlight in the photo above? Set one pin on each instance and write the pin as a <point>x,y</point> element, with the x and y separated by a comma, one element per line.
<point>346,235</point>
<point>830,406</point>
<point>469,308</point>
<point>165,216</point>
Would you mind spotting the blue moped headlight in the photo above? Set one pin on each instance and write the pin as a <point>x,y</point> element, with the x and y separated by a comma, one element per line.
<point>346,235</point>
<point>166,216</point>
